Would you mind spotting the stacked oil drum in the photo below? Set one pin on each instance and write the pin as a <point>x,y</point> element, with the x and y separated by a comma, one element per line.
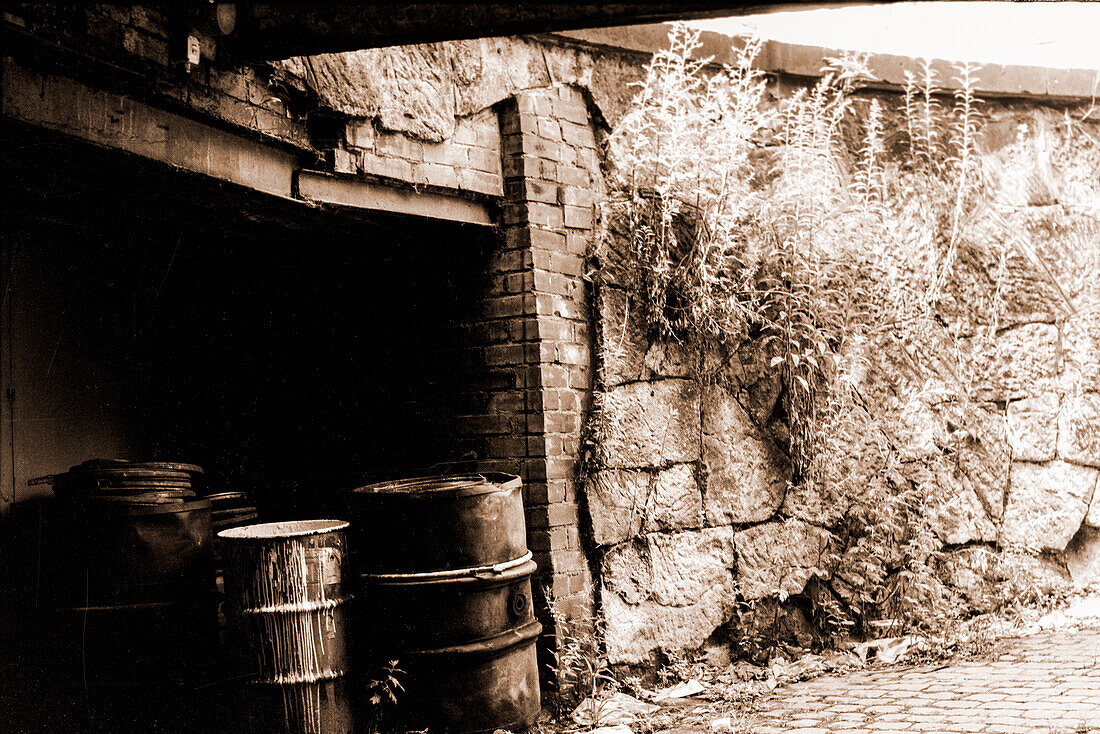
<point>132,581</point>
<point>444,587</point>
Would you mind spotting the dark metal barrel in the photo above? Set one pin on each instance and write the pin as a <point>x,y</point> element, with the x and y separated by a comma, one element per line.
<point>286,602</point>
<point>445,588</point>
<point>130,587</point>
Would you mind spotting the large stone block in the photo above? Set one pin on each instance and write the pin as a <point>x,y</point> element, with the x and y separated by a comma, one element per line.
<point>627,353</point>
<point>1015,363</point>
<point>667,592</point>
<point>1047,503</point>
<point>1033,427</point>
<point>626,502</point>
<point>649,424</point>
<point>616,504</point>
<point>1079,430</point>
<point>1083,555</point>
<point>960,517</point>
<point>778,558</point>
<point>675,502</point>
<point>747,475</point>
<point>983,456</point>
<point>973,572</point>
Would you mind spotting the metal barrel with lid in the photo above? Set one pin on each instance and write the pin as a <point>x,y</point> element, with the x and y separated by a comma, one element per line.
<point>445,588</point>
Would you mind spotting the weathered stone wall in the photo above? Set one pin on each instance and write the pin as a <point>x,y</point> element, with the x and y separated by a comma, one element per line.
<point>689,499</point>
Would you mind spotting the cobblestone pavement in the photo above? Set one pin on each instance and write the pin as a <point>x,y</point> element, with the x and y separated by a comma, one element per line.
<point>1047,683</point>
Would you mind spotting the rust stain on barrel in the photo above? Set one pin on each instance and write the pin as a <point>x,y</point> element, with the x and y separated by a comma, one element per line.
<point>285,594</point>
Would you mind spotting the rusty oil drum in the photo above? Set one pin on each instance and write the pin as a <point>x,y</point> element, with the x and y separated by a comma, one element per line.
<point>445,588</point>
<point>286,603</point>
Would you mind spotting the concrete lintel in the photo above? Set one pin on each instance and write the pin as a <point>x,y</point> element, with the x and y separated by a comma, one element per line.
<point>119,122</point>
<point>325,188</point>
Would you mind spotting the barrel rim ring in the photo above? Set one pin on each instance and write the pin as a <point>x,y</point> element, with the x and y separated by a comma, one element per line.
<point>169,508</point>
<point>268,531</point>
<point>458,485</point>
<point>490,572</point>
<point>514,637</point>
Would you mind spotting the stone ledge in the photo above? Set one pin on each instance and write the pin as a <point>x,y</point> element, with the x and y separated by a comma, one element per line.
<point>889,71</point>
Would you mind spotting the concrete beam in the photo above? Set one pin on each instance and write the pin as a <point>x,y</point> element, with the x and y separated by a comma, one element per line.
<point>122,123</point>
<point>324,188</point>
<point>271,30</point>
<point>118,122</point>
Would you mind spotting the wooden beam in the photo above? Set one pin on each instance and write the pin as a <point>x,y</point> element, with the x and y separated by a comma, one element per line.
<point>324,188</point>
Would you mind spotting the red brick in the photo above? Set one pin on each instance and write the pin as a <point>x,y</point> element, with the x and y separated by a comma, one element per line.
<point>488,135</point>
<point>554,376</point>
<point>512,401</point>
<point>533,103</point>
<point>555,491</point>
<point>480,182</point>
<point>546,215</point>
<point>399,146</point>
<point>567,264</point>
<point>542,148</point>
<point>578,217</point>
<point>502,354</point>
<point>571,110</point>
<point>386,167</point>
<point>578,135</point>
<point>483,159</point>
<point>506,446</point>
<point>558,422</point>
<point>536,446</point>
<point>534,494</point>
<point>560,468</point>
<point>507,260</point>
<point>465,132</point>
<point>519,124</point>
<point>577,243</point>
<point>446,153</point>
<point>506,306</point>
<point>574,176</point>
<point>549,129</point>
<point>547,240</point>
<point>435,174</point>
<point>511,144</point>
<point>575,196</point>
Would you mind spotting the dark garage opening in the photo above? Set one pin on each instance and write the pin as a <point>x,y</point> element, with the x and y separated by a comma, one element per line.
<point>154,314</point>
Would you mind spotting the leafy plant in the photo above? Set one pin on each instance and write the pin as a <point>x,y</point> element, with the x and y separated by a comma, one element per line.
<point>580,667</point>
<point>382,692</point>
<point>735,222</point>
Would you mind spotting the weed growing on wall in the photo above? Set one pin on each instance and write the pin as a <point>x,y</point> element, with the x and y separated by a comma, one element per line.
<point>826,236</point>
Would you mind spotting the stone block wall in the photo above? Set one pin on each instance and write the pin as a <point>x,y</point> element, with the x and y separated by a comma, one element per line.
<point>689,500</point>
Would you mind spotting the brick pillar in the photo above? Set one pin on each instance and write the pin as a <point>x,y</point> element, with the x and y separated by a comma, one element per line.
<point>550,174</point>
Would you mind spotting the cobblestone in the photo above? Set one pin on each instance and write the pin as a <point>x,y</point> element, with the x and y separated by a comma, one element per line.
<point>1043,684</point>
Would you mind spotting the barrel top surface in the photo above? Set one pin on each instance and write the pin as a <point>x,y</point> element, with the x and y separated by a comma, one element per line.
<point>281,530</point>
<point>454,485</point>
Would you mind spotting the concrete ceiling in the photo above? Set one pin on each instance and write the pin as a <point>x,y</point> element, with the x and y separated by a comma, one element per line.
<point>273,30</point>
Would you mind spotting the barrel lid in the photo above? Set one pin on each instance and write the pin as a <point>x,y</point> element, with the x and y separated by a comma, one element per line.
<point>454,485</point>
<point>284,529</point>
<point>104,465</point>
